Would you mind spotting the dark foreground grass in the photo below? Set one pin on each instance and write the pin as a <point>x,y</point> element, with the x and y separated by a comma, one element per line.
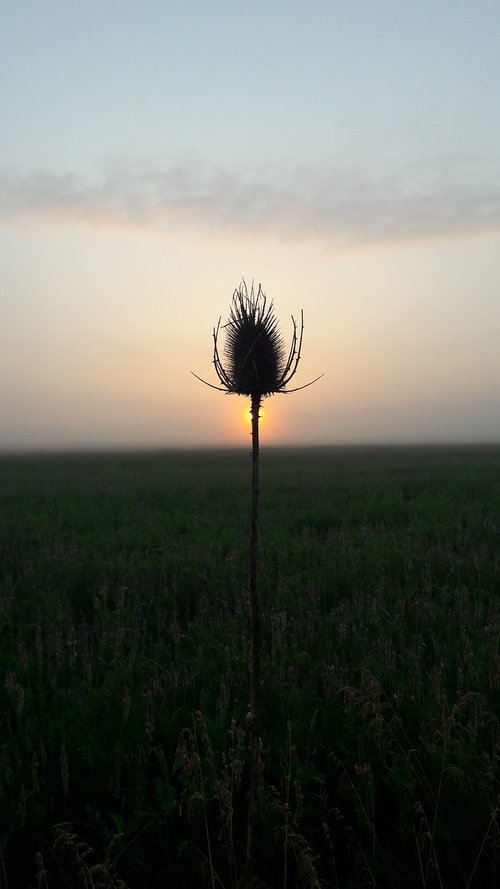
<point>124,631</point>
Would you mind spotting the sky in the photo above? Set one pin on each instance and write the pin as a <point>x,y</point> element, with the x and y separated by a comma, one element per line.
<point>345,155</point>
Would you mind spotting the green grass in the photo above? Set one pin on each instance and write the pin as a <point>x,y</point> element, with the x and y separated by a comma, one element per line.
<point>124,650</point>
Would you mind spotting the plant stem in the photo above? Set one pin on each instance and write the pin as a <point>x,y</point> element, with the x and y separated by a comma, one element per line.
<point>254,592</point>
<point>255,661</point>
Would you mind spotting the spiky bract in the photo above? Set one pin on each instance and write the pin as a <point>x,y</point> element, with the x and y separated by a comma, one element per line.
<point>255,350</point>
<point>254,347</point>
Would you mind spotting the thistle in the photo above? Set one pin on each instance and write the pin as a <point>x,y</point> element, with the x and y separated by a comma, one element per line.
<point>256,366</point>
<point>255,349</point>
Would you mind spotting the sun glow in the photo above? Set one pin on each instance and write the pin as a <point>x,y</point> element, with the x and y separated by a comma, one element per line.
<point>247,416</point>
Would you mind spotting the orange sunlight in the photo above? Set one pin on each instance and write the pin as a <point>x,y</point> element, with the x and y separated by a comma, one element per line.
<point>269,422</point>
<point>247,416</point>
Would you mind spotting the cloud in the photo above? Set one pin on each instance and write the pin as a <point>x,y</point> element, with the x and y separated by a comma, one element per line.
<point>342,208</point>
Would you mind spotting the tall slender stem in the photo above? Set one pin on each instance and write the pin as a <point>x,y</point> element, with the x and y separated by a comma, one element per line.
<point>254,591</point>
<point>255,657</point>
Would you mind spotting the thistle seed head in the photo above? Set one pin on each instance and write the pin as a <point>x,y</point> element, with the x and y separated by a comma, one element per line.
<point>255,360</point>
<point>254,347</point>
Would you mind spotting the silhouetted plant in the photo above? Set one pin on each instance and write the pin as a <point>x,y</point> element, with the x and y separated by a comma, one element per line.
<point>256,366</point>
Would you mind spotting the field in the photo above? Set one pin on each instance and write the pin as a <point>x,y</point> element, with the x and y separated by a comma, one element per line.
<point>124,656</point>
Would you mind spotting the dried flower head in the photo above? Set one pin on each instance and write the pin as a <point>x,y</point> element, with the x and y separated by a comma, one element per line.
<point>254,351</point>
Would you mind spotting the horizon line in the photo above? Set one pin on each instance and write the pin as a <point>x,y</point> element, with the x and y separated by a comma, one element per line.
<point>46,450</point>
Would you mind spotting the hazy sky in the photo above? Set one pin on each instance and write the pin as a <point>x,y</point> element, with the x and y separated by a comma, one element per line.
<point>344,154</point>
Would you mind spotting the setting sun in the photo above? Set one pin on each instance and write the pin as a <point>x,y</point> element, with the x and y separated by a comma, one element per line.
<point>247,416</point>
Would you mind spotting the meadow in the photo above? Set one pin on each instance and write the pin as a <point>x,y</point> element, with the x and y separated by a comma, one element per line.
<point>124,656</point>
